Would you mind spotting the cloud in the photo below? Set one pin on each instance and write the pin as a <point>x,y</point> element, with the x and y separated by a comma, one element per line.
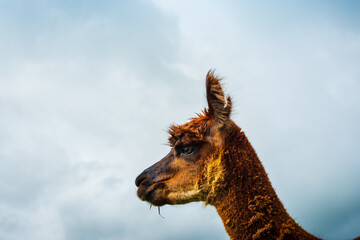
<point>87,90</point>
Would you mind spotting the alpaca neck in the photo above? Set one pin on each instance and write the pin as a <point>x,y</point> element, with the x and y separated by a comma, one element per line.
<point>246,201</point>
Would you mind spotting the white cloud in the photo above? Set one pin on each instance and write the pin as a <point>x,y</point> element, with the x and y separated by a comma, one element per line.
<point>87,90</point>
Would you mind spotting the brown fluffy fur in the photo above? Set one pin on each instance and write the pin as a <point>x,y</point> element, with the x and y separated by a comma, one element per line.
<point>247,203</point>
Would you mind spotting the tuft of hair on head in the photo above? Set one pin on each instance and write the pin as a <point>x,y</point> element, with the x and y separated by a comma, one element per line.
<point>219,104</point>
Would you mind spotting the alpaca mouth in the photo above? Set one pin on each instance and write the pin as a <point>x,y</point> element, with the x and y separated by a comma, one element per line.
<point>154,194</point>
<point>152,188</point>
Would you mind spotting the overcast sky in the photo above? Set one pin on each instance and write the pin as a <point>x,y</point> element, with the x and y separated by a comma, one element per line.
<point>88,89</point>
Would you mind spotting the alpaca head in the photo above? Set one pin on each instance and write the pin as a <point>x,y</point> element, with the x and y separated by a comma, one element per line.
<point>192,170</point>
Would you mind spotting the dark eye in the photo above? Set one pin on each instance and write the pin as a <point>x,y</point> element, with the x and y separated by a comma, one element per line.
<point>187,150</point>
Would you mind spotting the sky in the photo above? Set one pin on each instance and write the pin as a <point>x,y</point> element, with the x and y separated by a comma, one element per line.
<point>89,88</point>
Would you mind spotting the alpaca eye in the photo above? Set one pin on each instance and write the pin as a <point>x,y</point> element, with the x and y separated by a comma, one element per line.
<point>187,150</point>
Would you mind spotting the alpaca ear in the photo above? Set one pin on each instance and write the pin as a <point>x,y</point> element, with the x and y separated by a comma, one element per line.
<point>219,105</point>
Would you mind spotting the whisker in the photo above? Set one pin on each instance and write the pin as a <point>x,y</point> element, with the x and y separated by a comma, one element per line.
<point>160,213</point>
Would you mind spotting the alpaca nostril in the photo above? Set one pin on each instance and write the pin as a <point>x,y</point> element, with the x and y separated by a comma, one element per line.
<point>140,179</point>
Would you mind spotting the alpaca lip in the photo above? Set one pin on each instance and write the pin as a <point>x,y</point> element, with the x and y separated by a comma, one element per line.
<point>143,181</point>
<point>149,194</point>
<point>148,186</point>
<point>146,191</point>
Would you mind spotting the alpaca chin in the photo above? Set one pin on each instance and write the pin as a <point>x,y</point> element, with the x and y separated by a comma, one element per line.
<point>184,197</point>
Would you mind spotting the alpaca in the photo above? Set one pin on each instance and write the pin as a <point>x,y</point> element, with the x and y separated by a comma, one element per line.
<point>211,160</point>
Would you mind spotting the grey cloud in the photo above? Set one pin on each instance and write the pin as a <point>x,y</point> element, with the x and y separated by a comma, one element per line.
<point>87,91</point>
